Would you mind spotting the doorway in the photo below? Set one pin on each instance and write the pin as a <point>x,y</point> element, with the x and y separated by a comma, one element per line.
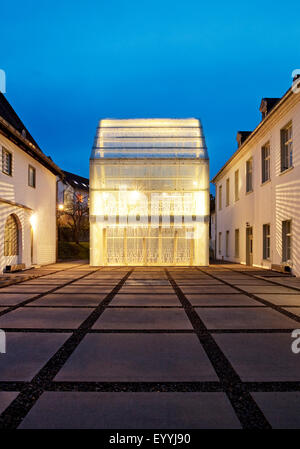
<point>249,245</point>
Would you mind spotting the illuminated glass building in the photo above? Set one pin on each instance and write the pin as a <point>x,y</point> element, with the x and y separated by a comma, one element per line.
<point>149,193</point>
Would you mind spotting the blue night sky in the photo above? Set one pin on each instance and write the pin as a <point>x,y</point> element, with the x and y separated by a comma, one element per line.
<point>70,63</point>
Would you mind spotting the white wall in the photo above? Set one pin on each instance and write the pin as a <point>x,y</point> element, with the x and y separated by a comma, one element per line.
<point>271,202</point>
<point>42,201</point>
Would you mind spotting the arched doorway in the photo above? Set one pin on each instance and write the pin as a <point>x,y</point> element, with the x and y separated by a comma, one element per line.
<point>12,239</point>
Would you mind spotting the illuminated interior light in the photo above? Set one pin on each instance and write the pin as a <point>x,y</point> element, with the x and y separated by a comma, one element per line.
<point>33,221</point>
<point>134,196</point>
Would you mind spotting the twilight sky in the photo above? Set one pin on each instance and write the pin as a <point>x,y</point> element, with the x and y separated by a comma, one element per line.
<point>70,63</point>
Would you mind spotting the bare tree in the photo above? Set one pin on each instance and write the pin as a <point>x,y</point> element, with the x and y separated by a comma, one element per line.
<point>75,215</point>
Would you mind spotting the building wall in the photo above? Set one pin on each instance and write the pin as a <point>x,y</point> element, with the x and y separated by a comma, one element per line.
<point>272,202</point>
<point>41,204</point>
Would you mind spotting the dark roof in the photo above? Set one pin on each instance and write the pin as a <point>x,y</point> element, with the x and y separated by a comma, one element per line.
<point>276,105</point>
<point>12,127</point>
<point>242,136</point>
<point>8,113</point>
<point>76,181</point>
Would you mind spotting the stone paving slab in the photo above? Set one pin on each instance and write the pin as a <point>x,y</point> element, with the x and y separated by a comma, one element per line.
<point>142,282</point>
<point>27,288</point>
<point>49,281</point>
<point>295,310</point>
<point>242,318</point>
<point>143,319</point>
<point>197,282</point>
<point>147,289</point>
<point>138,358</point>
<point>279,299</point>
<point>68,299</point>
<point>27,353</point>
<point>145,300</point>
<point>36,318</point>
<point>222,300</point>
<point>131,411</point>
<point>281,409</point>
<point>248,282</point>
<point>138,340</point>
<point>261,357</point>
<point>6,397</point>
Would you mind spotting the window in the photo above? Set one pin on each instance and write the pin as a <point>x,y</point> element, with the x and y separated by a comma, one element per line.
<point>220,197</point>
<point>286,136</point>
<point>6,162</point>
<point>11,237</point>
<point>237,243</point>
<point>249,167</point>
<point>286,240</point>
<point>31,176</point>
<point>220,242</point>
<point>227,191</point>
<point>265,162</point>
<point>236,185</point>
<point>227,243</point>
<point>266,241</point>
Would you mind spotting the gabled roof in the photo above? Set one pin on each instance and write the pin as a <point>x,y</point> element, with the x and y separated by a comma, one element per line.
<point>76,181</point>
<point>12,127</point>
<point>267,104</point>
<point>149,138</point>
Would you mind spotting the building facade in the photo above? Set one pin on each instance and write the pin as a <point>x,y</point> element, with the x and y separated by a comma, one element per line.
<point>27,196</point>
<point>258,191</point>
<point>149,193</point>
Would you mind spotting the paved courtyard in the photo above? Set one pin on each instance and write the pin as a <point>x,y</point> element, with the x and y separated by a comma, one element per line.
<point>128,347</point>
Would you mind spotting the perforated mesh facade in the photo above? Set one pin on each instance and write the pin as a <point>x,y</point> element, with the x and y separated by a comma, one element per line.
<point>149,193</point>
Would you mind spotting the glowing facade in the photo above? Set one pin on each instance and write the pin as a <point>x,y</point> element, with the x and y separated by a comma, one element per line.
<point>149,193</point>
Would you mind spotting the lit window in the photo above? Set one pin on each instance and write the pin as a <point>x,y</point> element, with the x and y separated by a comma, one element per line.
<point>286,135</point>
<point>265,162</point>
<point>6,162</point>
<point>286,240</point>
<point>227,243</point>
<point>11,237</point>
<point>220,197</point>
<point>266,241</point>
<point>227,191</point>
<point>31,176</point>
<point>249,169</point>
<point>237,243</point>
<point>236,185</point>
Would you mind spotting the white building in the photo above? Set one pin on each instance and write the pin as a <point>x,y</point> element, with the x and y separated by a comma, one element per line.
<point>149,193</point>
<point>27,196</point>
<point>258,191</point>
<point>72,205</point>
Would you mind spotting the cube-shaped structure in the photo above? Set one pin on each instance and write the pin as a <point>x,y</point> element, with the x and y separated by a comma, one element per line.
<point>149,193</point>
